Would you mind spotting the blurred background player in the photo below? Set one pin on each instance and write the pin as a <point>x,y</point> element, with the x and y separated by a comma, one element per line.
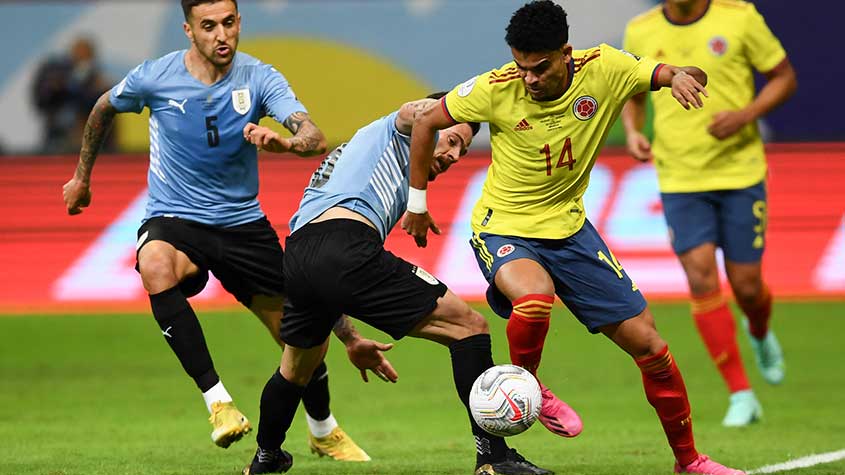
<point>549,111</point>
<point>336,263</point>
<point>712,172</point>
<point>203,214</point>
<point>64,89</point>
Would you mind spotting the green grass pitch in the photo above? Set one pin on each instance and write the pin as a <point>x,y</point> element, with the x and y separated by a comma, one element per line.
<point>104,395</point>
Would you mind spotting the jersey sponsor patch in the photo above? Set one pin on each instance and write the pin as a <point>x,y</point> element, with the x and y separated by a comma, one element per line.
<point>467,86</point>
<point>585,107</point>
<point>424,275</point>
<point>241,101</point>
<point>505,249</point>
<point>718,45</point>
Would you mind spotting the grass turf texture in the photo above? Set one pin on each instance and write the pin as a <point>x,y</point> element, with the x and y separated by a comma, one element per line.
<point>104,395</point>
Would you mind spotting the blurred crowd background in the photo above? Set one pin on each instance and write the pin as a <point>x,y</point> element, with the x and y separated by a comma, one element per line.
<point>349,60</point>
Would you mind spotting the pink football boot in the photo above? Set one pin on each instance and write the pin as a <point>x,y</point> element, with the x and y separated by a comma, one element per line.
<point>557,416</point>
<point>703,465</point>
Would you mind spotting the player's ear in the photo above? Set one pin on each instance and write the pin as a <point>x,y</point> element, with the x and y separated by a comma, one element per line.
<point>566,51</point>
<point>188,32</point>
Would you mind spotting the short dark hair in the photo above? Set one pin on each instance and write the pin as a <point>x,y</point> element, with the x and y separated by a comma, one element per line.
<point>188,5</point>
<point>538,26</point>
<point>475,126</point>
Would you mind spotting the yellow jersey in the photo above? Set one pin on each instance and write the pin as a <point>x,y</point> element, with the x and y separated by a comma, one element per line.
<point>543,151</point>
<point>728,42</point>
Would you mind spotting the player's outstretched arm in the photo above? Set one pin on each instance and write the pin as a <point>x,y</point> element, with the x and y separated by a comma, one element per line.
<point>687,84</point>
<point>77,191</point>
<point>781,83</point>
<point>364,353</point>
<point>417,221</point>
<point>633,120</point>
<point>307,138</point>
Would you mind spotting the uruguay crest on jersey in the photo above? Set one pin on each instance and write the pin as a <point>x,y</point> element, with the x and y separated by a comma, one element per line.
<point>241,101</point>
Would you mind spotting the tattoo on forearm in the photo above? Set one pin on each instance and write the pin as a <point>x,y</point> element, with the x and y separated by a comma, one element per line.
<point>295,120</point>
<point>99,123</point>
<point>307,137</point>
<point>423,106</point>
<point>344,330</point>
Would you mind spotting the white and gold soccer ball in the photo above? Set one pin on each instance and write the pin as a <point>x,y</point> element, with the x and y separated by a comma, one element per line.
<point>505,400</point>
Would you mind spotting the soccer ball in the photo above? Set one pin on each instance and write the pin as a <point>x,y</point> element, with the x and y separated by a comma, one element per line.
<point>505,400</point>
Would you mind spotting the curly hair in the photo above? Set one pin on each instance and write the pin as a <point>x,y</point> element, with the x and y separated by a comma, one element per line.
<point>537,26</point>
<point>187,5</point>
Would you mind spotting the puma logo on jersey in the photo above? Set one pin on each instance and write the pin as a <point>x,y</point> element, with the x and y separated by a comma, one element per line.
<point>522,126</point>
<point>180,106</point>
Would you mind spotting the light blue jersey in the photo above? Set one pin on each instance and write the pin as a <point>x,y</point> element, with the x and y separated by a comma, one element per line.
<point>368,175</point>
<point>201,168</point>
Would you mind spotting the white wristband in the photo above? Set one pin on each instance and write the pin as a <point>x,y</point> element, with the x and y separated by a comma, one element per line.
<point>416,201</point>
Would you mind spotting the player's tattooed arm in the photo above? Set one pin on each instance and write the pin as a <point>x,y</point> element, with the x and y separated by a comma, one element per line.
<point>77,191</point>
<point>307,138</point>
<point>99,123</point>
<point>364,353</point>
<point>409,112</point>
<point>345,331</point>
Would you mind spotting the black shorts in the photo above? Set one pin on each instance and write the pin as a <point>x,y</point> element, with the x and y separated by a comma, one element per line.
<point>247,259</point>
<point>340,267</point>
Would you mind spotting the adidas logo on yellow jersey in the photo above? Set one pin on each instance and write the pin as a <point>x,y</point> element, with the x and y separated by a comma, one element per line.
<point>522,126</point>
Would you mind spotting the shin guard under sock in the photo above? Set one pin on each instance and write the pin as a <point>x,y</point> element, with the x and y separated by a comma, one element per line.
<point>716,325</point>
<point>316,395</point>
<point>665,390</point>
<point>183,333</point>
<point>471,357</point>
<point>279,401</point>
<point>527,329</point>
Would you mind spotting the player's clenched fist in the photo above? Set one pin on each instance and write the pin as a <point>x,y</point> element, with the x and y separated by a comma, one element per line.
<point>77,195</point>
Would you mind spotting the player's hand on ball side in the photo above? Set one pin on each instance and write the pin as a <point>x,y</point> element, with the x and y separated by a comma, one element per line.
<point>77,195</point>
<point>686,90</point>
<point>368,354</point>
<point>417,225</point>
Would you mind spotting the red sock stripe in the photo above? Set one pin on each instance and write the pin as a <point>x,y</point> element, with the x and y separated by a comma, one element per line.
<point>655,363</point>
<point>549,299</point>
<point>707,302</point>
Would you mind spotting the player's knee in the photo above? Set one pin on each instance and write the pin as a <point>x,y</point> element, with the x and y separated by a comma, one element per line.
<point>747,292</point>
<point>157,272</point>
<point>703,280</point>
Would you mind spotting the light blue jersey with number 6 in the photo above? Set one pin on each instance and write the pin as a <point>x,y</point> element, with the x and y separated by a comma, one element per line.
<point>201,168</point>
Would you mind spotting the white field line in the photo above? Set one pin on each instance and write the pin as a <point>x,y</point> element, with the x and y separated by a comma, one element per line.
<point>803,462</point>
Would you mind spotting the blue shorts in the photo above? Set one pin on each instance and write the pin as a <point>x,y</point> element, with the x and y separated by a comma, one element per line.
<point>734,220</point>
<point>587,277</point>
